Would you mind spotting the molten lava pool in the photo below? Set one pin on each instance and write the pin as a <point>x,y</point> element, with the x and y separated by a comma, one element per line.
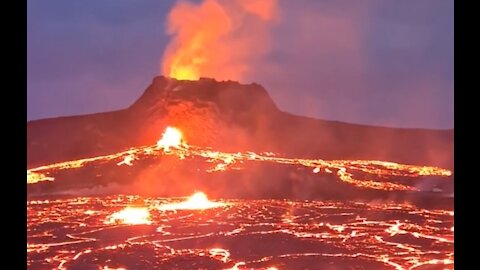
<point>134,232</point>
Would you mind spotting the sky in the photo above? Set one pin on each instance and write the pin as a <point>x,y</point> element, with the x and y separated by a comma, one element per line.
<point>375,62</point>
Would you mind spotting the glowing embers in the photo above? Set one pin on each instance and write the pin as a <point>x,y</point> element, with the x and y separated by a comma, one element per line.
<point>131,216</point>
<point>197,201</point>
<point>172,137</point>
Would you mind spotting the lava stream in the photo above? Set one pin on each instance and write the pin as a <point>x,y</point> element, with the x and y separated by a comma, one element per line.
<point>172,143</point>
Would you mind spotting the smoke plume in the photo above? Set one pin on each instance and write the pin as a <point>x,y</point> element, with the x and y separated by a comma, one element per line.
<point>222,39</point>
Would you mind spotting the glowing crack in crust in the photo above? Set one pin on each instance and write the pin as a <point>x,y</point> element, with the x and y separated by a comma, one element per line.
<point>172,143</point>
<point>72,233</point>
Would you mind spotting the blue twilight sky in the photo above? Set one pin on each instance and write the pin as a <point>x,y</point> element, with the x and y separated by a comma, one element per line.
<point>379,62</point>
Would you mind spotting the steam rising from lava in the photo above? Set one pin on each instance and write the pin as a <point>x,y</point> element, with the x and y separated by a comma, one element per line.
<point>217,38</point>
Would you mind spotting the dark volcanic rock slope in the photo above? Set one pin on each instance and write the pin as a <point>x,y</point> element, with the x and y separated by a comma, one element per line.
<point>232,117</point>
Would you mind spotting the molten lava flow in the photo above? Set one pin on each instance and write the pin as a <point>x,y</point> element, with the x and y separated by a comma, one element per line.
<point>218,39</point>
<point>370,235</point>
<point>127,160</point>
<point>223,254</point>
<point>352,172</point>
<point>34,177</point>
<point>172,137</point>
<point>197,201</point>
<point>108,268</point>
<point>361,231</point>
<point>130,215</point>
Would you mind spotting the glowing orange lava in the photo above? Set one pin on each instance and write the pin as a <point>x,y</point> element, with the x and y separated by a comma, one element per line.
<point>172,143</point>
<point>34,177</point>
<point>172,137</point>
<point>127,160</point>
<point>130,215</point>
<point>108,268</point>
<point>197,201</point>
<point>375,235</point>
<point>184,73</point>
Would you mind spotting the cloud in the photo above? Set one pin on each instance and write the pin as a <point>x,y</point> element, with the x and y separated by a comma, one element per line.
<point>368,62</point>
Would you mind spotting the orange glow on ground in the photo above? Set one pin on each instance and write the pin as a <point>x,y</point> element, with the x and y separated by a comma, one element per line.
<point>197,201</point>
<point>131,216</point>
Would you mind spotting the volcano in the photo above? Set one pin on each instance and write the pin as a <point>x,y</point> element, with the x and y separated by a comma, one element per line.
<point>288,192</point>
<point>230,116</point>
<point>228,123</point>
